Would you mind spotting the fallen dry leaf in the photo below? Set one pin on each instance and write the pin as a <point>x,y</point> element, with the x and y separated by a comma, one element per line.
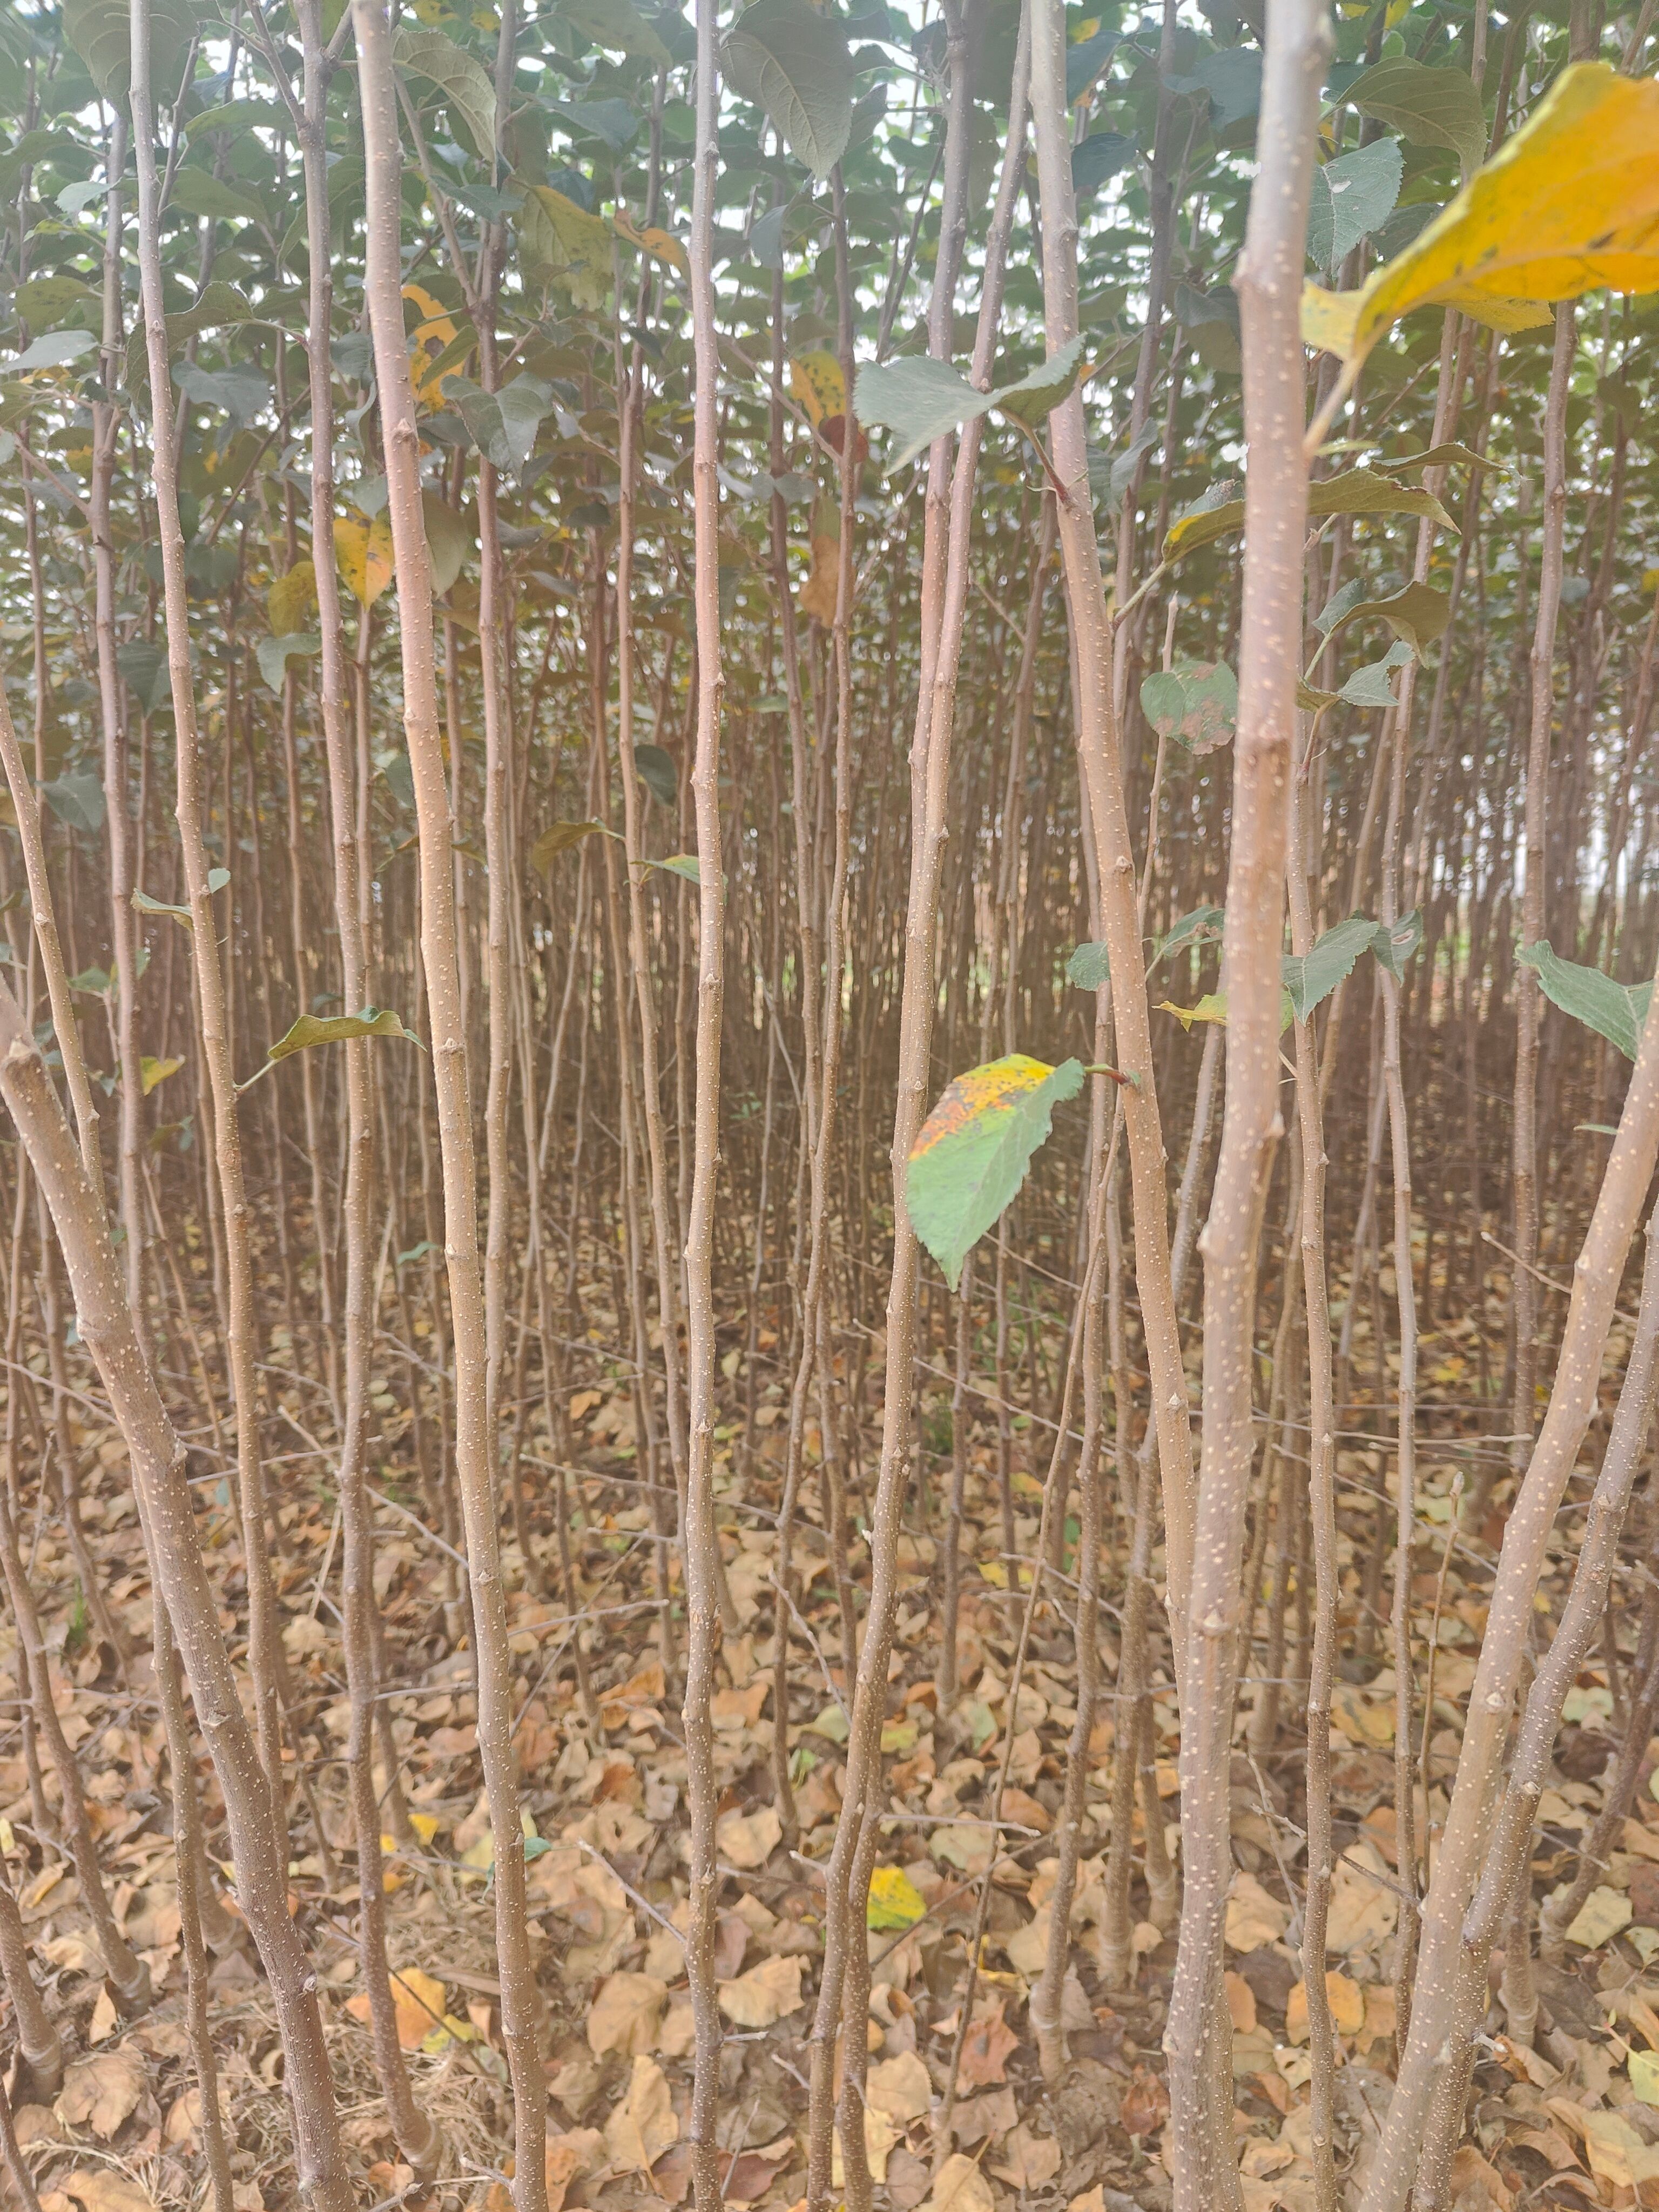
<point>748,1840</point>
<point>103,2189</point>
<point>1364,1907</point>
<point>880,2134</point>
<point>1029,2159</point>
<point>959,2187</point>
<point>577,2152</point>
<point>986,2047</point>
<point>99,2092</point>
<point>764,1994</point>
<point>625,2014</point>
<point>900,2086</point>
<point>1255,1917</point>
<point>643,2125</point>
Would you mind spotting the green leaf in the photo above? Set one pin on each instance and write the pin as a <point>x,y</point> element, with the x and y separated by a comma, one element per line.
<point>1201,926</point>
<point>1192,527</point>
<point>1089,967</point>
<point>618,25</point>
<point>142,902</point>
<point>918,399</point>
<point>559,837</point>
<point>1353,197</point>
<point>794,61</point>
<point>657,772</point>
<point>45,301</point>
<point>681,863</point>
<point>1311,977</point>
<point>421,52</point>
<point>216,880</point>
<point>1097,160</point>
<point>101,32</point>
<point>448,541</point>
<point>53,350</point>
<point>1369,686</point>
<point>971,1157</point>
<point>1041,390</point>
<point>1417,615</point>
<point>1614,1011</point>
<point>1453,456</point>
<point>76,798</point>
<point>198,193</point>
<point>94,980</point>
<point>274,653</point>
<point>561,244</point>
<point>339,1029</point>
<point>1361,491</point>
<point>1394,947</point>
<point>241,392</point>
<point>1195,702</point>
<point>1429,106</point>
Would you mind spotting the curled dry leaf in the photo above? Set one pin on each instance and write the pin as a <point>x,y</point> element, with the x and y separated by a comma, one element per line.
<point>643,2125</point>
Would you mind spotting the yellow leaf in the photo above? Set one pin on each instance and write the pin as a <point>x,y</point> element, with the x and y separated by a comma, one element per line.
<point>152,1072</point>
<point>819,595</point>
<point>291,599</point>
<point>425,1826</point>
<point>431,310</point>
<point>563,244</point>
<point>660,245</point>
<point>419,2004</point>
<point>894,1901</point>
<point>1570,204</point>
<point>363,552</point>
<point>1211,1007</point>
<point>817,381</point>
<point>1643,2066</point>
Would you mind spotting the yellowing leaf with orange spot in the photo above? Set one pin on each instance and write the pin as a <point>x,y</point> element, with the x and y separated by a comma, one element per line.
<point>1569,204</point>
<point>291,599</point>
<point>817,381</point>
<point>660,245</point>
<point>363,553</point>
<point>819,594</point>
<point>419,2002</point>
<point>969,1163</point>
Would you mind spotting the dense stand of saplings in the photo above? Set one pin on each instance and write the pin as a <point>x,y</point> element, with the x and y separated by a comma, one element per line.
<point>600,613</point>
